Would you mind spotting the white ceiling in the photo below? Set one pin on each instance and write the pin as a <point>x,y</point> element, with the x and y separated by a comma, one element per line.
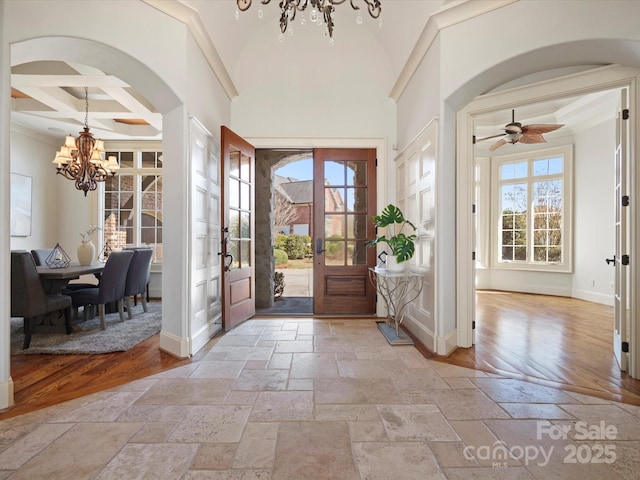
<point>48,97</point>
<point>402,23</point>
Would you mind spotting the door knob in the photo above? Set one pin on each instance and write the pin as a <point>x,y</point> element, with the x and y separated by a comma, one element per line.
<point>611,260</point>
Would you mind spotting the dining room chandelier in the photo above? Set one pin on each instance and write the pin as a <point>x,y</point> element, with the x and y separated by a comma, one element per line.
<point>321,12</point>
<point>83,160</point>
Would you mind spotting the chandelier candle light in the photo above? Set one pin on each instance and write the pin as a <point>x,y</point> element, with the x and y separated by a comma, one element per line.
<point>83,159</point>
<point>321,12</point>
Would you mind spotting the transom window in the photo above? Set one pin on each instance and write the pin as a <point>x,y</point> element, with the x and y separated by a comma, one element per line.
<point>132,200</point>
<point>531,221</point>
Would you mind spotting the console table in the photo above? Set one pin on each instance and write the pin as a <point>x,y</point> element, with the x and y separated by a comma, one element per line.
<point>398,290</point>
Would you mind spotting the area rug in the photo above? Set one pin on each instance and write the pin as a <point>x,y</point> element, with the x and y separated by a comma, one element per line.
<point>88,337</point>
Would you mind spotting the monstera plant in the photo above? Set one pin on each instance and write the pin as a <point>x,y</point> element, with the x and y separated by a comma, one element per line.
<point>401,244</point>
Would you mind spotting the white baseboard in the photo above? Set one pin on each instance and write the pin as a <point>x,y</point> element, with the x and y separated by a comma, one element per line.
<point>173,345</point>
<point>425,336</point>
<point>6,394</point>
<point>437,344</point>
<point>202,336</point>
<point>594,297</point>
<point>447,344</point>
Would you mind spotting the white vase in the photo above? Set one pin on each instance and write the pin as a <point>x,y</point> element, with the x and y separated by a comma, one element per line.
<point>393,265</point>
<point>86,253</point>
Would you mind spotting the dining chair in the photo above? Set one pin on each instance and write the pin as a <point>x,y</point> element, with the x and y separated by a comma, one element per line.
<point>110,289</point>
<point>138,278</point>
<point>40,255</point>
<point>28,298</point>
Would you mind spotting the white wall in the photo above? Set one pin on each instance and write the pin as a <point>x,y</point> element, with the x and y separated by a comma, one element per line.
<point>477,55</point>
<point>31,155</point>
<point>594,238</point>
<point>309,98</point>
<point>155,54</point>
<point>420,102</point>
<point>531,36</point>
<point>6,383</point>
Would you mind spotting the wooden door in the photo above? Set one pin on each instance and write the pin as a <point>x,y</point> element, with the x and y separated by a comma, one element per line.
<point>344,204</point>
<point>620,258</point>
<point>238,229</point>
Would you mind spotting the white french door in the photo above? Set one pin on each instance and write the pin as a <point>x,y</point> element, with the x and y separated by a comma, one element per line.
<point>620,259</point>
<point>205,318</point>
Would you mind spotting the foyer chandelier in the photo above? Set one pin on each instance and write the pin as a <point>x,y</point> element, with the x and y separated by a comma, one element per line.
<point>82,159</point>
<point>321,12</point>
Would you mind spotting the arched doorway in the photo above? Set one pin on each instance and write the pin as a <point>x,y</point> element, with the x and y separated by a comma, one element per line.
<point>121,65</point>
<point>593,80</point>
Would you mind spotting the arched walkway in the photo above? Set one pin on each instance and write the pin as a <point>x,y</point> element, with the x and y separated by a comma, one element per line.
<point>117,63</point>
<point>537,69</point>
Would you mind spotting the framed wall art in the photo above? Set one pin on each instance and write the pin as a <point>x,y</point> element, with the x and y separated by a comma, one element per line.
<point>20,205</point>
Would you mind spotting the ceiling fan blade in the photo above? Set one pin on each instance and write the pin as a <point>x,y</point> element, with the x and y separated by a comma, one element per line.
<point>532,138</point>
<point>538,128</point>
<point>492,136</point>
<point>498,144</point>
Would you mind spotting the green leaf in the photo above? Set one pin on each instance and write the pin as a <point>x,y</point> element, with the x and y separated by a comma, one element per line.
<point>402,246</point>
<point>390,215</point>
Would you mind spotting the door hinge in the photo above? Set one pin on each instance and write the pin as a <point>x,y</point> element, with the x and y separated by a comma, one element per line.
<point>473,325</point>
<point>473,208</point>
<point>473,139</point>
<point>376,162</point>
<point>625,114</point>
<point>625,347</point>
<point>625,260</point>
<point>473,255</point>
<point>376,298</point>
<point>625,200</point>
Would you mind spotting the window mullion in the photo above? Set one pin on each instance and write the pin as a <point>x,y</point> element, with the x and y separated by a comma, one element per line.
<point>530,212</point>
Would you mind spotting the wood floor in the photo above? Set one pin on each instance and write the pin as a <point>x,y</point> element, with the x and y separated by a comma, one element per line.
<point>554,341</point>
<point>43,380</point>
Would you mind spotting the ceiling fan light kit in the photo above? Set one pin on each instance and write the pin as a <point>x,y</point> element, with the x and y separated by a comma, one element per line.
<point>321,12</point>
<point>515,132</point>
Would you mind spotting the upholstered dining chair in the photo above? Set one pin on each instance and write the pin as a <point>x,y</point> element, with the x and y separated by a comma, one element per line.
<point>138,278</point>
<point>110,289</point>
<point>40,255</point>
<point>28,298</point>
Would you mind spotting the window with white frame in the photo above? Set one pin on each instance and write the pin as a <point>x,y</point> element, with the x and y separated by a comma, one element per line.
<point>532,215</point>
<point>132,200</point>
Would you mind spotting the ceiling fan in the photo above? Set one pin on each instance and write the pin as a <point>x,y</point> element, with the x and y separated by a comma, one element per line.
<point>516,132</point>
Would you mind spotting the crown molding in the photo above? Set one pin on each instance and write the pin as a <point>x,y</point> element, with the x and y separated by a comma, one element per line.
<point>452,14</point>
<point>191,18</point>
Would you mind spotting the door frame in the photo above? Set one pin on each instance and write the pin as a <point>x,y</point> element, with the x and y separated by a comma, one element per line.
<point>385,177</point>
<point>604,78</point>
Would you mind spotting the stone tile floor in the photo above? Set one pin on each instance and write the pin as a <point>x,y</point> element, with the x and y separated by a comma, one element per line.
<point>306,399</point>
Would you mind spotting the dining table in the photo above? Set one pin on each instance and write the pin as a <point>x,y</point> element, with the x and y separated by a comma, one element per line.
<point>54,280</point>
